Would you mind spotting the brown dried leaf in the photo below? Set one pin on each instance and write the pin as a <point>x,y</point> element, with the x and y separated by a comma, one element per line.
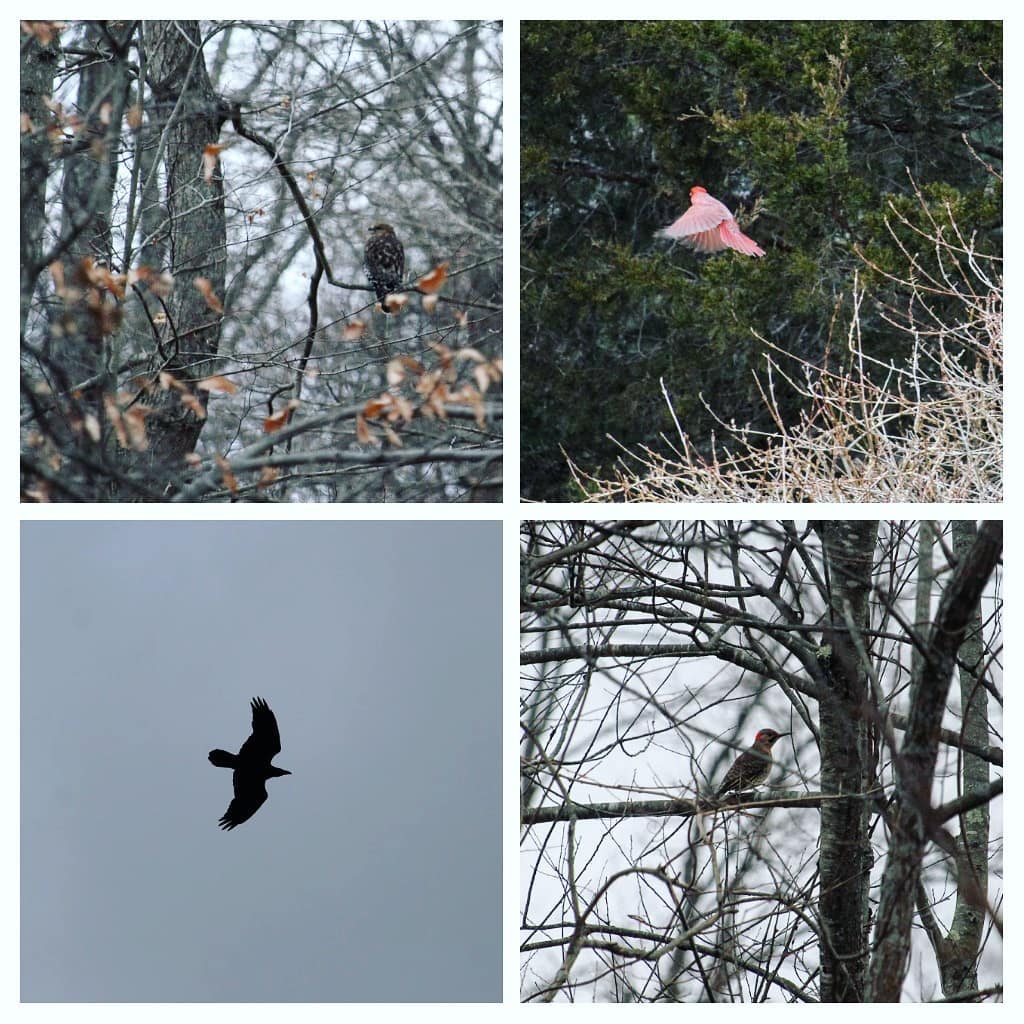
<point>135,423</point>
<point>114,283</point>
<point>226,475</point>
<point>444,353</point>
<point>363,433</point>
<point>434,281</point>
<point>218,384</point>
<point>193,403</point>
<point>428,382</point>
<point>89,271</point>
<point>113,411</point>
<point>268,474</point>
<point>44,31</point>
<point>436,403</point>
<point>279,419</point>
<point>210,153</point>
<point>482,376</point>
<point>354,331</point>
<point>473,398</point>
<point>39,491</point>
<point>402,408</point>
<point>57,273</point>
<point>376,407</point>
<point>205,287</point>
<point>161,285</point>
<point>400,367</point>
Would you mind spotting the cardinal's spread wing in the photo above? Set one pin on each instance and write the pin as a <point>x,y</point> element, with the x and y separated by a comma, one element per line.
<point>706,241</point>
<point>735,239</point>
<point>705,213</point>
<point>265,741</point>
<point>702,217</point>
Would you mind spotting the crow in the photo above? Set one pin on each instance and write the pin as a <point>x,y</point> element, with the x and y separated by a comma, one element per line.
<point>252,765</point>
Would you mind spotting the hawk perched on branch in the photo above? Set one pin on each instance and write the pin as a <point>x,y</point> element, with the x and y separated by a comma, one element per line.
<point>384,262</point>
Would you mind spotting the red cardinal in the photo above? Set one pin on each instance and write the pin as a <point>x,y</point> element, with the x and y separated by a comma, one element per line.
<point>709,227</point>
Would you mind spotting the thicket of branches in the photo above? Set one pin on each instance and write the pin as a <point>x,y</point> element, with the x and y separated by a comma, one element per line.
<point>867,868</point>
<point>196,324</point>
<point>927,426</point>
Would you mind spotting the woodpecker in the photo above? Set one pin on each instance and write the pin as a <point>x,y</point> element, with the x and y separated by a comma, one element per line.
<point>751,768</point>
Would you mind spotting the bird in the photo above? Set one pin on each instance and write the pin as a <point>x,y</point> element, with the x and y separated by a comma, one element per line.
<point>752,766</point>
<point>708,226</point>
<point>384,262</point>
<point>252,766</point>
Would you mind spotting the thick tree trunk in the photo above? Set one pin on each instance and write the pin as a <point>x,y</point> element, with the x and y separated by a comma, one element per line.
<point>958,952</point>
<point>845,860</point>
<point>197,238</point>
<point>914,821</point>
<point>78,342</point>
<point>38,64</point>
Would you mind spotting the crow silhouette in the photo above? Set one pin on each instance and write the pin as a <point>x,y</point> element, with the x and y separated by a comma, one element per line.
<point>252,765</point>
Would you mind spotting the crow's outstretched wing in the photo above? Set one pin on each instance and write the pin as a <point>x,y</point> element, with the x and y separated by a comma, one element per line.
<point>265,741</point>
<point>250,793</point>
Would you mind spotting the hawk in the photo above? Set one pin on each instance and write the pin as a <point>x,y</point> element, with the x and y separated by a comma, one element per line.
<point>384,262</point>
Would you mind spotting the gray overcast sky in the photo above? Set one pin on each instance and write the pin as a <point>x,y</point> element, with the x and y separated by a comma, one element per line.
<point>373,873</point>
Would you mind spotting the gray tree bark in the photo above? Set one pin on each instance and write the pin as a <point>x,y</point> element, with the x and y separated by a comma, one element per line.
<point>78,342</point>
<point>845,860</point>
<point>957,950</point>
<point>38,64</point>
<point>915,822</point>
<point>197,237</point>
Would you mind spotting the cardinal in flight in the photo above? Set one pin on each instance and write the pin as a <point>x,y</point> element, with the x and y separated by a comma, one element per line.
<point>708,226</point>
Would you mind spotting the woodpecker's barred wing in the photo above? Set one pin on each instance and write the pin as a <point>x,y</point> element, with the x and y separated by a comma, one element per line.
<point>250,794</point>
<point>265,741</point>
